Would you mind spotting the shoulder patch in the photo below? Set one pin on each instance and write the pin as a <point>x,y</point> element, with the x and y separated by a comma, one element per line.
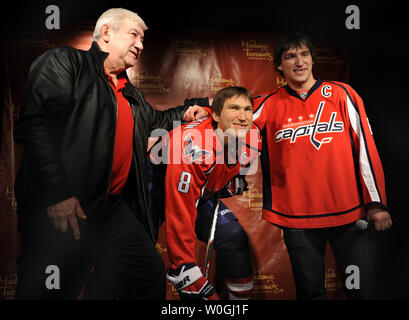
<point>194,151</point>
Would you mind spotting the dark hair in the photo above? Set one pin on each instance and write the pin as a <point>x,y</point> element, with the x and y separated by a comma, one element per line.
<point>223,94</point>
<point>291,40</point>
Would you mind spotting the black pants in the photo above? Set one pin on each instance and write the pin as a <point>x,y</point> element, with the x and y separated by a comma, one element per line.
<point>115,257</point>
<point>230,240</point>
<point>357,249</point>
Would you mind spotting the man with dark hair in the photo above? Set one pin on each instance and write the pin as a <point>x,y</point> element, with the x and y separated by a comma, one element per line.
<point>84,128</point>
<point>293,40</point>
<point>202,158</point>
<point>322,176</point>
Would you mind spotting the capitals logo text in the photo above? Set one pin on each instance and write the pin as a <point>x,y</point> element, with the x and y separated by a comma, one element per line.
<point>312,129</point>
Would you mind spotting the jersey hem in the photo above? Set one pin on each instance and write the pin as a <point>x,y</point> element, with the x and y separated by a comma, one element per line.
<point>311,223</point>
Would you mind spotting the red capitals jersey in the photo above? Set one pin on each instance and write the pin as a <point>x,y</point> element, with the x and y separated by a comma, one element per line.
<point>319,161</point>
<point>197,167</point>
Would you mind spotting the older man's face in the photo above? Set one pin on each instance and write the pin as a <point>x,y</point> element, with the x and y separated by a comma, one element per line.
<point>126,43</point>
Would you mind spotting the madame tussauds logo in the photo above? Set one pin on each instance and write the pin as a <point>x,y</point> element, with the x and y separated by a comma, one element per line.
<point>312,129</point>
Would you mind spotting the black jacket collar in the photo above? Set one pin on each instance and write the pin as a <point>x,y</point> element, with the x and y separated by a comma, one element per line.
<point>99,57</point>
<point>98,54</point>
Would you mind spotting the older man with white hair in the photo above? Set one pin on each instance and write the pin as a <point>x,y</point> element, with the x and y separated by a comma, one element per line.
<point>81,186</point>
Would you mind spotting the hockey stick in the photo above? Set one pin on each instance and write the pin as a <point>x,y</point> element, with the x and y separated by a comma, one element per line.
<point>210,241</point>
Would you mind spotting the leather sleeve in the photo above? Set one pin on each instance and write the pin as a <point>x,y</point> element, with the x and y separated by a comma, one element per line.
<point>46,100</point>
<point>155,119</point>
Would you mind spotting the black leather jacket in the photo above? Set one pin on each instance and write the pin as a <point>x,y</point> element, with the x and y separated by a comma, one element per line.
<point>67,129</point>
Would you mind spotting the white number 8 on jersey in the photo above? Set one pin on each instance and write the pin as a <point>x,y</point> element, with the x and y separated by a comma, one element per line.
<point>184,182</point>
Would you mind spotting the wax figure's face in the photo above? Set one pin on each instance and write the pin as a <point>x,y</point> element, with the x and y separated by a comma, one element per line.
<point>296,64</point>
<point>126,43</point>
<point>236,116</point>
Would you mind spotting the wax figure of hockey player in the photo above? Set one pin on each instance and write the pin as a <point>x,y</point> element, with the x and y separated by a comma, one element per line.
<point>199,165</point>
<point>232,247</point>
<point>321,172</point>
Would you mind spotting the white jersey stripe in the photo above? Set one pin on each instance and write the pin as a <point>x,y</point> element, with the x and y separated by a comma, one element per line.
<point>258,112</point>
<point>364,164</point>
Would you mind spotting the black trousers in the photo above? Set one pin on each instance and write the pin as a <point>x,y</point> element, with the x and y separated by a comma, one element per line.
<point>115,258</point>
<point>355,252</point>
<point>230,241</point>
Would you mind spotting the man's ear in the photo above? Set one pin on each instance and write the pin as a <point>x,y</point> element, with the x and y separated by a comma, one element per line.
<point>106,32</point>
<point>215,117</point>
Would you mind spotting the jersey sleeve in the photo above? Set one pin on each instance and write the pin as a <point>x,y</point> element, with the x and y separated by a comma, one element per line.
<point>183,184</point>
<point>370,166</point>
<point>260,115</point>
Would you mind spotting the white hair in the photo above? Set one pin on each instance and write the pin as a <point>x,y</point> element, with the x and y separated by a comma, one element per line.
<point>113,17</point>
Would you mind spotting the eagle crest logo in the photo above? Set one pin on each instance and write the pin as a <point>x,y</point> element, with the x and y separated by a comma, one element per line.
<point>194,151</point>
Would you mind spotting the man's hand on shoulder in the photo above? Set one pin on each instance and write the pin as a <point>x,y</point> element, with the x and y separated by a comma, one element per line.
<point>194,113</point>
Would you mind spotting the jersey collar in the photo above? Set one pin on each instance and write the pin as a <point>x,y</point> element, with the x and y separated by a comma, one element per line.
<point>220,150</point>
<point>294,93</point>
